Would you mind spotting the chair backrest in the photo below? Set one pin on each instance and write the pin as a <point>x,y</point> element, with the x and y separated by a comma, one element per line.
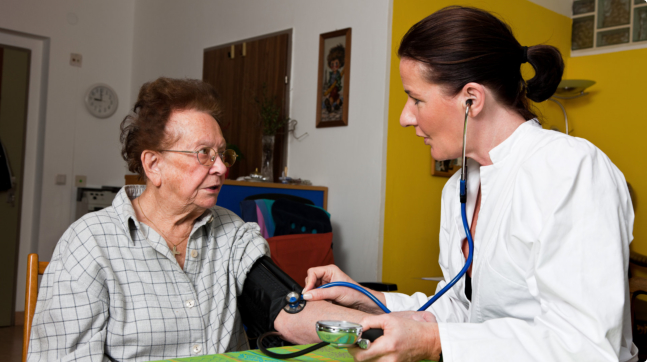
<point>34,269</point>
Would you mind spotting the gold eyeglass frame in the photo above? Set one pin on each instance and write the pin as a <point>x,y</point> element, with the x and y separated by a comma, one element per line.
<point>229,152</point>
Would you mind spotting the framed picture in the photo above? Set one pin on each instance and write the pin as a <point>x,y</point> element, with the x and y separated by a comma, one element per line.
<point>445,168</point>
<point>334,78</point>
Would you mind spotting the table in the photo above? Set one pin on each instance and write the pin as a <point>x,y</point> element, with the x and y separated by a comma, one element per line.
<point>327,353</point>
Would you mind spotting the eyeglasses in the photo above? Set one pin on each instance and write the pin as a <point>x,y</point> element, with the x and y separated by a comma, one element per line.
<point>207,156</point>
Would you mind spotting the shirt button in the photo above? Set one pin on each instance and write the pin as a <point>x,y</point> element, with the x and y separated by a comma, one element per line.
<point>190,304</point>
<point>197,348</point>
<point>194,253</point>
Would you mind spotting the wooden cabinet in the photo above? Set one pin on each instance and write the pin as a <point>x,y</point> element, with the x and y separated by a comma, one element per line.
<point>241,72</point>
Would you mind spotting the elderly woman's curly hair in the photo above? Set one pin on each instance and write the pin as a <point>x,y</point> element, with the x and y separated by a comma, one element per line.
<point>144,129</point>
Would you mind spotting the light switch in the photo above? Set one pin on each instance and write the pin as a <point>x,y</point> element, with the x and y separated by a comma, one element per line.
<point>61,179</point>
<point>80,180</point>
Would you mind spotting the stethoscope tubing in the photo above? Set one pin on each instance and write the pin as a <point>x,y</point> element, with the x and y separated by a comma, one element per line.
<point>468,233</point>
<point>433,299</point>
<point>358,288</point>
<point>468,262</point>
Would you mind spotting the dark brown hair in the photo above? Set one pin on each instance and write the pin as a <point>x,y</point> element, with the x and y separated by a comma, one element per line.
<point>460,45</point>
<point>144,129</point>
<point>337,53</point>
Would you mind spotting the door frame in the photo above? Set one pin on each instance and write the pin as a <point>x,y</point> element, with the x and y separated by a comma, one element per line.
<point>33,154</point>
<point>286,104</point>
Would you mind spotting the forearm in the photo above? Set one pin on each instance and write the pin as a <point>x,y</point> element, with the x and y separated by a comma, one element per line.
<point>348,297</point>
<point>300,328</point>
<point>372,307</point>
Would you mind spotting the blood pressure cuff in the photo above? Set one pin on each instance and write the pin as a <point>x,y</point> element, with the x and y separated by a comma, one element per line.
<point>263,296</point>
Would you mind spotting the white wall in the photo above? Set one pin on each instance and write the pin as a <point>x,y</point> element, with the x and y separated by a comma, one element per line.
<point>75,143</point>
<point>170,37</point>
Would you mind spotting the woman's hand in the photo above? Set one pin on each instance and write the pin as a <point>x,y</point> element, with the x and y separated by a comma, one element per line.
<point>325,274</point>
<point>347,297</point>
<point>404,339</point>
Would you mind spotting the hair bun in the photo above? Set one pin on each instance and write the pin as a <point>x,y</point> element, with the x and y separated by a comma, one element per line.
<point>549,68</point>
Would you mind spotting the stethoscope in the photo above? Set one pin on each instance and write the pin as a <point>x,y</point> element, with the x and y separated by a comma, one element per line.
<point>346,334</point>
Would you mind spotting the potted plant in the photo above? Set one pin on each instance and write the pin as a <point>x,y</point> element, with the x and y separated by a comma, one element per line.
<point>271,123</point>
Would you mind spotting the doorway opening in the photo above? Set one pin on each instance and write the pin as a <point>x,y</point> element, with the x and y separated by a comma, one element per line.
<point>14,90</point>
<point>29,179</point>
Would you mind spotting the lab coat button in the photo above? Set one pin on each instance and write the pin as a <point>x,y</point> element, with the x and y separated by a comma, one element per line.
<point>190,303</point>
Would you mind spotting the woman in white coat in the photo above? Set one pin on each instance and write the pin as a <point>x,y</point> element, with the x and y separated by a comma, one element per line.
<point>550,214</point>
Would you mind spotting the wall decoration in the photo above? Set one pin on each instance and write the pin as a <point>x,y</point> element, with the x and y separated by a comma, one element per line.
<point>445,168</point>
<point>334,78</point>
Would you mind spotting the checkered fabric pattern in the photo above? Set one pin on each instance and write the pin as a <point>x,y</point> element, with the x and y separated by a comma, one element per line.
<point>114,291</point>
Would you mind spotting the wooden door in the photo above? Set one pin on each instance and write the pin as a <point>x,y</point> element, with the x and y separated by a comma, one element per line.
<point>239,72</point>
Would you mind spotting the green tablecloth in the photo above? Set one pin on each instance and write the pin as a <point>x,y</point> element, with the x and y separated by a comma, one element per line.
<point>327,353</point>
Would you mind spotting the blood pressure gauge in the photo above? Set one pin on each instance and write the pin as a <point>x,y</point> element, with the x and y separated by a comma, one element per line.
<point>342,334</point>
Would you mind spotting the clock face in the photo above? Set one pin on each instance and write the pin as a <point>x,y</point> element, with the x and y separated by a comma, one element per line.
<point>101,100</point>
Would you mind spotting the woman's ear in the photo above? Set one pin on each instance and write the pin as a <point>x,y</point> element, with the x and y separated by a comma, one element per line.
<point>151,161</point>
<point>476,93</point>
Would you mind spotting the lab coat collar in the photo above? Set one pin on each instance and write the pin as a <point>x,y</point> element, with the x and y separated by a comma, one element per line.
<point>500,152</point>
<point>497,154</point>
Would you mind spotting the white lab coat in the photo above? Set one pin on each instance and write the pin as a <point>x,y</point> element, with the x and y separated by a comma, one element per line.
<point>549,278</point>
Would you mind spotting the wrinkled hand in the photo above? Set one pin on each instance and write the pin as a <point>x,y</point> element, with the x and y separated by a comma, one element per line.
<point>404,339</point>
<point>347,297</point>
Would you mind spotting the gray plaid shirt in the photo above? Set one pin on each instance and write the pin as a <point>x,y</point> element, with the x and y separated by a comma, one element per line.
<point>114,291</point>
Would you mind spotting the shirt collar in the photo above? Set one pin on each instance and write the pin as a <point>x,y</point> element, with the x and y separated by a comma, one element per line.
<point>498,153</point>
<point>126,213</point>
<point>124,207</point>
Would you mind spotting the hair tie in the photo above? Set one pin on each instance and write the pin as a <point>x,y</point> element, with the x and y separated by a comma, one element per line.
<point>524,55</point>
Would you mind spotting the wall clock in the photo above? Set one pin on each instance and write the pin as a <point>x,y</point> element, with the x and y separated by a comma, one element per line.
<point>101,100</point>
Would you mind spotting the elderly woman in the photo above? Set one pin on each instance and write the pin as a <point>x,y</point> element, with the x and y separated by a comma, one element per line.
<point>158,274</point>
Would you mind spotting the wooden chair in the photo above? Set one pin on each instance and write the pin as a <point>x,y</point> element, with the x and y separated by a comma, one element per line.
<point>34,269</point>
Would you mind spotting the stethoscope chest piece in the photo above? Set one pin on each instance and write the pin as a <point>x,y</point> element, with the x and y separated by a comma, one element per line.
<point>295,303</point>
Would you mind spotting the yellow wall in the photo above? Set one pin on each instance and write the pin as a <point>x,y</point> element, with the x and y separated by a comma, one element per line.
<point>412,211</point>
<point>613,117</point>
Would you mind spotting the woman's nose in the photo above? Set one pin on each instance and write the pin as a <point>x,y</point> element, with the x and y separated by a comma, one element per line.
<point>407,118</point>
<point>218,167</point>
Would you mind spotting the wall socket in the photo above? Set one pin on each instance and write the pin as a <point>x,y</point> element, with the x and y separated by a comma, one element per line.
<point>80,181</point>
<point>76,59</point>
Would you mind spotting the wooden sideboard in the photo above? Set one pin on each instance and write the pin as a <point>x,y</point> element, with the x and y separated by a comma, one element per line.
<point>233,192</point>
